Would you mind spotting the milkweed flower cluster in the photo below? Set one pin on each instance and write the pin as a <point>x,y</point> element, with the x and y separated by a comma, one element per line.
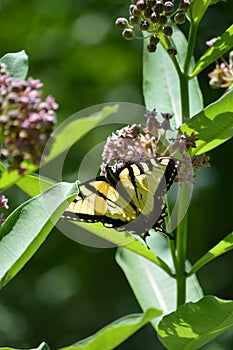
<point>135,143</point>
<point>26,121</point>
<point>3,205</point>
<point>155,17</point>
<point>222,75</point>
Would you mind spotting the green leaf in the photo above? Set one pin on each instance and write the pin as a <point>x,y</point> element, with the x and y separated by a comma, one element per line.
<point>213,126</point>
<point>222,45</point>
<point>17,64</point>
<point>65,136</point>
<point>2,167</point>
<point>213,2</point>
<point>222,247</point>
<point>195,324</point>
<point>42,346</point>
<point>34,184</point>
<point>197,9</point>
<point>26,228</point>
<point>161,83</point>
<point>8,179</point>
<point>152,286</point>
<point>125,239</point>
<point>115,333</point>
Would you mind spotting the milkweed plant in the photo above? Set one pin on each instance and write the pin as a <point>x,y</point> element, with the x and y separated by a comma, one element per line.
<point>161,277</point>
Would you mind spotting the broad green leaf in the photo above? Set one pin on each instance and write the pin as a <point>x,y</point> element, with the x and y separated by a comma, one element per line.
<point>26,228</point>
<point>197,9</point>
<point>213,2</point>
<point>161,83</point>
<point>34,184</point>
<point>195,324</point>
<point>8,179</point>
<point>125,239</point>
<point>214,125</point>
<point>42,346</point>
<point>115,333</point>
<point>222,247</point>
<point>152,286</point>
<point>2,167</point>
<point>222,45</point>
<point>17,64</point>
<point>65,136</point>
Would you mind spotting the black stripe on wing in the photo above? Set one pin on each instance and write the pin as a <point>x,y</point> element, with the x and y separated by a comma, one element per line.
<point>162,169</point>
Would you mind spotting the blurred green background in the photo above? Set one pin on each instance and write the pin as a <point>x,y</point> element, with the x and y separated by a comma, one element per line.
<point>68,291</point>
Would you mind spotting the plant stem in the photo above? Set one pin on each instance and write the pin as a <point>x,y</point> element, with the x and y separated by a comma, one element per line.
<point>173,252</point>
<point>184,89</point>
<point>182,229</point>
<point>181,245</point>
<point>190,48</point>
<point>184,76</point>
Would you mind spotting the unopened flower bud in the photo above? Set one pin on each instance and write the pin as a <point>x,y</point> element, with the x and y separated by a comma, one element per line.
<point>12,97</point>
<point>144,25</point>
<point>147,12</point>
<point>168,6</point>
<point>185,4</point>
<point>128,34</point>
<point>159,7</point>
<point>3,202</point>
<point>154,17</point>
<point>167,31</point>
<point>122,23</point>
<point>179,18</point>
<point>141,5</point>
<point>172,51</point>
<point>18,85</point>
<point>135,11</point>
<point>134,20</point>
<point>151,47</point>
<point>154,39</point>
<point>151,3</point>
<point>131,8</point>
<point>3,119</point>
<point>4,154</point>
<point>163,19</point>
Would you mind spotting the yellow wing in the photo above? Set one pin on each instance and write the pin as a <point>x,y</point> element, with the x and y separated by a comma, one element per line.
<point>128,199</point>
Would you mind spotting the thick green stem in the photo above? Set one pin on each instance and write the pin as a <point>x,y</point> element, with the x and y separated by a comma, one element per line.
<point>182,229</point>
<point>184,92</point>
<point>181,237</point>
<point>190,48</point>
<point>181,245</point>
<point>184,76</point>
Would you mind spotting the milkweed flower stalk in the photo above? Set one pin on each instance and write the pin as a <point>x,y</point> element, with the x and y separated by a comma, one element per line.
<point>135,143</point>
<point>157,17</point>
<point>222,75</point>
<point>26,121</point>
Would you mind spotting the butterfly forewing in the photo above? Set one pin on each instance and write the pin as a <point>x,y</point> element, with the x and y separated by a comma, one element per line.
<point>98,200</point>
<point>130,198</point>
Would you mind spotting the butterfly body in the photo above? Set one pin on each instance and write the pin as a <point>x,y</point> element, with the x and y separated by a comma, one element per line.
<point>128,199</point>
